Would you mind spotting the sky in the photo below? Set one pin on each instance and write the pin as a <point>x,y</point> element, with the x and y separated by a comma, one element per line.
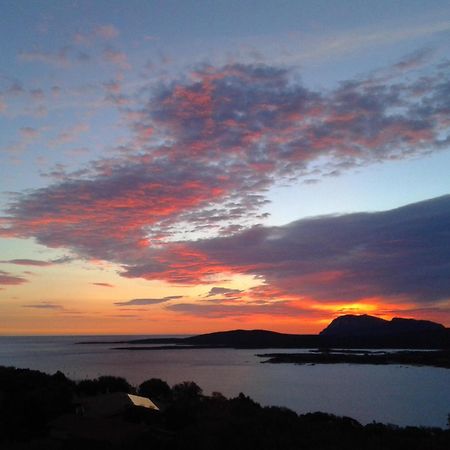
<point>180,167</point>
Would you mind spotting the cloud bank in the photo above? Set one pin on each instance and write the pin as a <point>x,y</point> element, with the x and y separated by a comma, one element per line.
<point>148,301</point>
<point>205,150</point>
<point>400,255</point>
<point>6,279</point>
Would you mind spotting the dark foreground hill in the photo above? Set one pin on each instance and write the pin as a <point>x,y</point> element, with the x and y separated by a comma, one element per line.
<point>39,411</point>
<point>348,331</point>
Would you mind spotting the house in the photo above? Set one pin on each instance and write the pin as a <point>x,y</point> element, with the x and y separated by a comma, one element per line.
<point>105,418</point>
<point>113,404</point>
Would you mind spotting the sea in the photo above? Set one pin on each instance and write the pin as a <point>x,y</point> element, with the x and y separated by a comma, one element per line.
<point>395,394</point>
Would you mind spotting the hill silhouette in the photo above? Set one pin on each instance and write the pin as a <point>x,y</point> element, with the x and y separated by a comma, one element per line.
<point>348,331</point>
<point>365,325</point>
<point>369,332</point>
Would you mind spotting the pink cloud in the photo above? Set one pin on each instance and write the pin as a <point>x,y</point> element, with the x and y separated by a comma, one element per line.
<point>29,133</point>
<point>69,135</point>
<point>204,152</point>
<point>106,31</point>
<point>10,280</point>
<point>117,58</point>
<point>59,59</point>
<point>28,262</point>
<point>3,106</point>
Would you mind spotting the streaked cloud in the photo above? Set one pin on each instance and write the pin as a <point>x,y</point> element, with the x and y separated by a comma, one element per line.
<point>37,262</point>
<point>223,291</point>
<point>63,58</point>
<point>109,285</point>
<point>219,311</point>
<point>44,305</point>
<point>148,301</point>
<point>7,279</point>
<point>59,59</point>
<point>363,39</point>
<point>27,262</point>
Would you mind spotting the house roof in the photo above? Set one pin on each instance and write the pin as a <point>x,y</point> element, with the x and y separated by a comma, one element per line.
<point>105,405</point>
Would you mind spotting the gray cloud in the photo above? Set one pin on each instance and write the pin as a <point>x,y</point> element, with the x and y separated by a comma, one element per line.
<point>223,291</point>
<point>103,284</point>
<point>207,148</point>
<point>44,305</point>
<point>402,252</point>
<point>220,311</point>
<point>148,301</point>
<point>37,262</point>
<point>27,262</point>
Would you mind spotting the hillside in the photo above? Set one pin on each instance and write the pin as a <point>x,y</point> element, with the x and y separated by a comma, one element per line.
<point>365,325</point>
<point>349,331</point>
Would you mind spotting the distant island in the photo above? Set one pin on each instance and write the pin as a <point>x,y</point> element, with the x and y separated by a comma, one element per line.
<point>414,337</point>
<point>348,331</point>
<point>436,358</point>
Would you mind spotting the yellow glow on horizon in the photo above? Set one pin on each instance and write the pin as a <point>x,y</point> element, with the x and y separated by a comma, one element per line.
<point>79,298</point>
<point>348,308</point>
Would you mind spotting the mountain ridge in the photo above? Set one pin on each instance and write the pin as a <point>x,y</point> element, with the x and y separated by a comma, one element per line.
<point>366,325</point>
<point>342,332</point>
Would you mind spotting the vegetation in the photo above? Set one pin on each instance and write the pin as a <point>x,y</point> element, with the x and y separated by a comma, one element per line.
<point>103,385</point>
<point>30,400</point>
<point>158,390</point>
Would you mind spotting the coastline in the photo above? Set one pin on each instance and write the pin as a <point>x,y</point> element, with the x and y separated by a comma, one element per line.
<point>402,395</point>
<point>186,419</point>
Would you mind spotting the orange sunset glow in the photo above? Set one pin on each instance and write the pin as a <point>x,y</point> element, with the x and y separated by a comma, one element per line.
<point>194,175</point>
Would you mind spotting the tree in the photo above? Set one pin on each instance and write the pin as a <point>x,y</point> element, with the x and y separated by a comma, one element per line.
<point>103,385</point>
<point>186,391</point>
<point>156,389</point>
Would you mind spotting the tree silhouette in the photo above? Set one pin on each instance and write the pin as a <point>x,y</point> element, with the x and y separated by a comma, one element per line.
<point>156,389</point>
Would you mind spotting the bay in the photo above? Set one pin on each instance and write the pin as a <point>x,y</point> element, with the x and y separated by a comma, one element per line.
<point>401,395</point>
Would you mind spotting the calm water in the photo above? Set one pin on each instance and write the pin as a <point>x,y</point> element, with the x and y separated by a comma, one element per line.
<point>390,394</point>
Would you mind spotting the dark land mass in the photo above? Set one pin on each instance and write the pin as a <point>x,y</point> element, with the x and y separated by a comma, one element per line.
<point>436,358</point>
<point>433,358</point>
<point>347,331</point>
<point>45,412</point>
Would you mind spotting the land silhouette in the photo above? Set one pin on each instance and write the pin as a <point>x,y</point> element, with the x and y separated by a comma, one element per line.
<point>41,411</point>
<point>414,337</point>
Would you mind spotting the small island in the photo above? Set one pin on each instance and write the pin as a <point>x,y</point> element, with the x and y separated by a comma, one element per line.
<point>435,358</point>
